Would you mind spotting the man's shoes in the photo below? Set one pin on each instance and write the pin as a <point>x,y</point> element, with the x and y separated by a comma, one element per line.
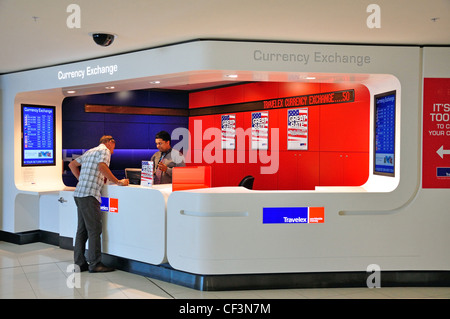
<point>101,268</point>
<point>83,267</point>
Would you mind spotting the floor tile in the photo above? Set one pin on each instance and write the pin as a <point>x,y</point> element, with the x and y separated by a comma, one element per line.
<point>40,271</point>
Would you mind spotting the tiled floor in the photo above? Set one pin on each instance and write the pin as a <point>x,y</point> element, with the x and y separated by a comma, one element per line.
<point>39,271</point>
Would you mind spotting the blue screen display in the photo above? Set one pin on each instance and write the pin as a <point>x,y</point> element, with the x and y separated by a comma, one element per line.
<point>384,144</point>
<point>38,135</point>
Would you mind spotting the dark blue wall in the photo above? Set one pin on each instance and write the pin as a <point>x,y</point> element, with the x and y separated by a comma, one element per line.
<point>82,130</point>
<point>134,134</point>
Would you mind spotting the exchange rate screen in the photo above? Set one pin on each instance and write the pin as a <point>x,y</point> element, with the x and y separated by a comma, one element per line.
<point>38,135</point>
<point>384,153</point>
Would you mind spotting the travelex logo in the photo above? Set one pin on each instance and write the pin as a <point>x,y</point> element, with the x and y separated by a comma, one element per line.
<point>109,205</point>
<point>293,215</point>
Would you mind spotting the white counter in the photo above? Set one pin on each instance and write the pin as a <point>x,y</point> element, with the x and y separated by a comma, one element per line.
<point>220,231</point>
<point>137,231</point>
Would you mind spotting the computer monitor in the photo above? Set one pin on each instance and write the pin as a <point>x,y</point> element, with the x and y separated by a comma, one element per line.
<point>134,175</point>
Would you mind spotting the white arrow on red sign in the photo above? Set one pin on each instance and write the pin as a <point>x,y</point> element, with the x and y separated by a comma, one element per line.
<point>441,152</point>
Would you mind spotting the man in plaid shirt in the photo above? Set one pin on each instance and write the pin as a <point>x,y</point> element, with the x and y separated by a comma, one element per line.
<point>94,171</point>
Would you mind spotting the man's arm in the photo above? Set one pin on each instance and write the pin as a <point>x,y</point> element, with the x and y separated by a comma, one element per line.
<point>177,160</point>
<point>104,169</point>
<point>75,168</point>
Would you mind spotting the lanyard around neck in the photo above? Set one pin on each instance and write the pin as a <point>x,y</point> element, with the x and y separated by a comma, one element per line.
<point>163,155</point>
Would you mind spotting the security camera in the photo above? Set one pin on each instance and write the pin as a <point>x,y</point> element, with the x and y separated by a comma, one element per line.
<point>103,39</point>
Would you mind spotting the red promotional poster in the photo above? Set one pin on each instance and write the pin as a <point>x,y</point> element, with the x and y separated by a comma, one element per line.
<point>436,133</point>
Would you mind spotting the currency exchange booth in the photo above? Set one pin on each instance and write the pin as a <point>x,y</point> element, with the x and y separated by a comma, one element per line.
<point>347,145</point>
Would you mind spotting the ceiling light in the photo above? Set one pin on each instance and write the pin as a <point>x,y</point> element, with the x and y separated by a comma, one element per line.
<point>233,76</point>
<point>110,87</point>
<point>71,92</point>
<point>155,82</point>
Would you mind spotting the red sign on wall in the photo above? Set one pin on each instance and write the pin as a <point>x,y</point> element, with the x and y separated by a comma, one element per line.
<point>436,133</point>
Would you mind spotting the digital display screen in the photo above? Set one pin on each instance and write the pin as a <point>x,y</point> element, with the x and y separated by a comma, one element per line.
<point>38,135</point>
<point>311,99</point>
<point>384,143</point>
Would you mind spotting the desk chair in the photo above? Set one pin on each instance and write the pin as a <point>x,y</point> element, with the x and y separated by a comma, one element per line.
<point>247,182</point>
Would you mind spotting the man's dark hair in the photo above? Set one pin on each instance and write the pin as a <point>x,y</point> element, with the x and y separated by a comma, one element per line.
<point>163,135</point>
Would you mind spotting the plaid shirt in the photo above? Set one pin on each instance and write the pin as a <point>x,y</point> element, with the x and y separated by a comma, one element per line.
<point>91,181</point>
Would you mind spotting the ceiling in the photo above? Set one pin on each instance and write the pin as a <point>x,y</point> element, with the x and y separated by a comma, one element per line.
<point>35,34</point>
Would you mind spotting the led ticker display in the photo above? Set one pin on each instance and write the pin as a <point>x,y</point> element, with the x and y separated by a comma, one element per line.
<point>38,135</point>
<point>311,99</point>
<point>384,143</point>
<point>344,96</point>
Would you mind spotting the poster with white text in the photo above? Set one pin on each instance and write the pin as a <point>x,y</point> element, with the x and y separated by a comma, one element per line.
<point>436,133</point>
<point>297,127</point>
<point>260,131</point>
<point>147,173</point>
<point>228,131</point>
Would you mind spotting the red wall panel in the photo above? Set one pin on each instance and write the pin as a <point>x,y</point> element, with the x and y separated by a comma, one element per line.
<point>229,95</point>
<point>288,171</point>
<point>331,169</point>
<point>344,127</point>
<point>260,91</point>
<point>308,170</point>
<point>343,169</point>
<point>201,99</point>
<point>198,124</point>
<point>338,138</point>
<point>356,168</point>
<point>298,88</point>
